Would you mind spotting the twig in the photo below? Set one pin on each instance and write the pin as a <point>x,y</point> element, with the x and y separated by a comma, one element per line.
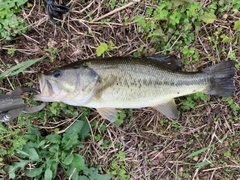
<point>202,45</point>
<point>216,168</point>
<point>205,157</point>
<point>27,37</point>
<point>70,177</point>
<point>62,131</point>
<point>113,12</point>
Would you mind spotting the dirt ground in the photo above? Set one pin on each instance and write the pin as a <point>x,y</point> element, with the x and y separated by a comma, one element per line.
<point>155,148</point>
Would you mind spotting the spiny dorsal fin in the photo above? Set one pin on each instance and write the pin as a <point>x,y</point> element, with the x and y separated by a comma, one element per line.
<point>169,61</point>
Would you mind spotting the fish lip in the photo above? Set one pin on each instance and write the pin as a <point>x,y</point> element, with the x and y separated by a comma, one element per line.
<point>42,82</point>
<point>45,88</point>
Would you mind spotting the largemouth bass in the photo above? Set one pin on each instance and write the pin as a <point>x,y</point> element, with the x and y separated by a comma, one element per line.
<point>125,82</point>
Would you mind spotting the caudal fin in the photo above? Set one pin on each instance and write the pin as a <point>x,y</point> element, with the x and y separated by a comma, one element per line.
<point>221,82</point>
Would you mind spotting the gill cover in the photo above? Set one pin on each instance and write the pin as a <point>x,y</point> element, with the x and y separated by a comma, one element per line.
<point>74,86</point>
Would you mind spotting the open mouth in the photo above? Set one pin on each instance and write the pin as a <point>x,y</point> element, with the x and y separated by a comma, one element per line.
<point>42,81</point>
<point>45,89</point>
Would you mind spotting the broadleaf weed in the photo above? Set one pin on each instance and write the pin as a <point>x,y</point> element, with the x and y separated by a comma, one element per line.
<point>163,26</point>
<point>10,23</point>
<point>47,154</point>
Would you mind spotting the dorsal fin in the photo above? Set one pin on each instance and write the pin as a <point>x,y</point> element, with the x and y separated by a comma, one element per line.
<point>169,61</point>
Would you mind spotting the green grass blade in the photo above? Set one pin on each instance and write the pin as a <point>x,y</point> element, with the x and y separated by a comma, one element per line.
<point>202,164</point>
<point>199,151</point>
<point>19,68</point>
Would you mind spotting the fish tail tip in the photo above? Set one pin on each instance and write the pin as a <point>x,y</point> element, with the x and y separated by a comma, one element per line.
<point>221,83</point>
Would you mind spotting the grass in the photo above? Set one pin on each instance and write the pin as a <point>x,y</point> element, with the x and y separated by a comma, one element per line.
<point>64,142</point>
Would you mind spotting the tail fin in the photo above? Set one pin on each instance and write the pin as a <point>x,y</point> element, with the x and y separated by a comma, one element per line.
<point>221,81</point>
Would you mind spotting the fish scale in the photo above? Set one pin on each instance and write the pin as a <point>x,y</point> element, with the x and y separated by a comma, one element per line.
<point>154,89</point>
<point>125,82</point>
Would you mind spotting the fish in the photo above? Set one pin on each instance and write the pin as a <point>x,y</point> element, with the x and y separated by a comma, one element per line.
<point>114,83</point>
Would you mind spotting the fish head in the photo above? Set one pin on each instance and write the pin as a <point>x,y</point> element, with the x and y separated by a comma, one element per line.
<point>74,86</point>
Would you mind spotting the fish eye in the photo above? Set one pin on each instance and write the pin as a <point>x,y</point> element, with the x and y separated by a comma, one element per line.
<point>56,74</point>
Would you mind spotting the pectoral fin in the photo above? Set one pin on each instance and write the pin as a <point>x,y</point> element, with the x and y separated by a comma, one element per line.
<point>104,84</point>
<point>169,109</point>
<point>108,113</point>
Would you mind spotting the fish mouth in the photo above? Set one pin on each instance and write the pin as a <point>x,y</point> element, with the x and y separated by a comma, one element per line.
<point>46,90</point>
<point>42,81</point>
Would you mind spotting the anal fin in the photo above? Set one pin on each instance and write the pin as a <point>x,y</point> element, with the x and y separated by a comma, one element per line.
<point>108,113</point>
<point>168,109</point>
